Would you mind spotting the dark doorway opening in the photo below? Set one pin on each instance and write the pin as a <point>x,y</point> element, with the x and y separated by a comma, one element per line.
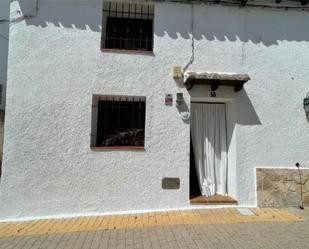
<point>194,186</point>
<point>195,193</point>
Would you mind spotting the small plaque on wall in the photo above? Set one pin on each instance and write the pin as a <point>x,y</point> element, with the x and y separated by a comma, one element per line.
<point>170,183</point>
<point>168,99</point>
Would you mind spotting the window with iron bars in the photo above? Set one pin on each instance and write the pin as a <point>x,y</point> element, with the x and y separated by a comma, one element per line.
<point>118,122</point>
<point>127,26</point>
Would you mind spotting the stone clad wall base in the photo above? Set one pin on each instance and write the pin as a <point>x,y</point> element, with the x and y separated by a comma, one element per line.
<point>282,187</point>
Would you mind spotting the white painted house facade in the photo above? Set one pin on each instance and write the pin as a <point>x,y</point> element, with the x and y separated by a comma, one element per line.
<point>246,67</point>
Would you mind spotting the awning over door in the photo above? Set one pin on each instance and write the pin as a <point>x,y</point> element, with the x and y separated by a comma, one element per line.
<point>215,80</point>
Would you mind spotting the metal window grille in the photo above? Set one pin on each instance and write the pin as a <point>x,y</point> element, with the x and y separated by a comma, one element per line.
<point>128,26</point>
<point>121,121</point>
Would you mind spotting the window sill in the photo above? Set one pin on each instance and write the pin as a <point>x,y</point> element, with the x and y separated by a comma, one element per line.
<point>123,148</point>
<point>127,51</point>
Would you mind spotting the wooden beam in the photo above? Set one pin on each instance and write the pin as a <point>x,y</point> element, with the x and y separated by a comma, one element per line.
<point>215,85</point>
<point>237,88</point>
<point>243,2</point>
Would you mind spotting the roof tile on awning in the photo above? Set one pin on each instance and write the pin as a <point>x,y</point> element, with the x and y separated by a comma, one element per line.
<point>215,80</point>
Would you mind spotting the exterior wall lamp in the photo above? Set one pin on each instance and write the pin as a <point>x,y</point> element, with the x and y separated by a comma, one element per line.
<point>306,104</point>
<point>182,107</point>
<point>179,99</point>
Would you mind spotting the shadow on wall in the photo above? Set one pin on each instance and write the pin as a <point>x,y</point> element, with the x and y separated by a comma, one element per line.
<point>246,114</point>
<point>258,26</point>
<point>239,111</point>
<point>64,14</point>
<point>267,27</point>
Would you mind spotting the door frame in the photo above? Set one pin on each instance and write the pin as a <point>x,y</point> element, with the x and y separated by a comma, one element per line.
<point>230,117</point>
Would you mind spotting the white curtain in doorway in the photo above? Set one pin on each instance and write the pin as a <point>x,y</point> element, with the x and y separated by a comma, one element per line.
<point>208,131</point>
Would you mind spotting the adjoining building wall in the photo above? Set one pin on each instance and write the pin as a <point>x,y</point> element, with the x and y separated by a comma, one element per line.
<point>55,66</point>
<point>2,114</point>
<point>4,39</point>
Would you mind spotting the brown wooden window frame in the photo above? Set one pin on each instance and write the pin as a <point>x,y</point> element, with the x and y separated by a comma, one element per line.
<point>118,122</point>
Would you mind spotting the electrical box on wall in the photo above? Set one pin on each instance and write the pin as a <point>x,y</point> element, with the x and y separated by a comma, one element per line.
<point>177,73</point>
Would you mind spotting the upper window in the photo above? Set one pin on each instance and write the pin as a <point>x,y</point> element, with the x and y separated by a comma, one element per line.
<point>127,26</point>
<point>118,121</point>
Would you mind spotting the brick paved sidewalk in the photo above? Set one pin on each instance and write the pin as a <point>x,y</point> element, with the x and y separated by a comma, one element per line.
<point>194,216</point>
<point>288,231</point>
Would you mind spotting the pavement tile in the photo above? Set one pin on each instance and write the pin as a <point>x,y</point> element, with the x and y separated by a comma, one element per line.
<point>263,232</point>
<point>166,219</point>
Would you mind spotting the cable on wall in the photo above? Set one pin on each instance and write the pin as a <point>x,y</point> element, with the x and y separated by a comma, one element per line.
<point>3,37</point>
<point>301,204</point>
<point>192,40</point>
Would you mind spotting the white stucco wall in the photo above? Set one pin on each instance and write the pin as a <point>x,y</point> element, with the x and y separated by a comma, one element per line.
<point>4,35</point>
<point>55,65</point>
